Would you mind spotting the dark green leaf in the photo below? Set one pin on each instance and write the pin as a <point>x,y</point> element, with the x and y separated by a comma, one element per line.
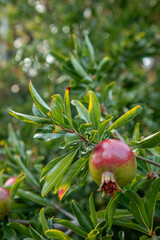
<point>92,210</point>
<point>150,201</point>
<point>72,173</point>
<point>57,172</point>
<point>137,208</point>
<point>82,217</point>
<point>93,235</point>
<point>110,209</point>
<point>72,138</point>
<point>35,234</point>
<point>47,133</point>
<point>71,226</point>
<point>20,228</point>
<point>67,106</point>
<point>43,220</point>
<point>16,184</point>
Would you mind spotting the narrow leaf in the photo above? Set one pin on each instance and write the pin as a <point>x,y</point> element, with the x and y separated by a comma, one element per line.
<point>150,201</point>
<point>137,208</point>
<point>51,164</point>
<point>82,217</point>
<point>110,209</point>
<point>28,118</point>
<point>57,172</point>
<point>78,68</point>
<point>125,118</point>
<point>35,234</point>
<point>93,210</point>
<point>90,48</point>
<point>125,223</point>
<point>43,220</point>
<point>38,100</point>
<point>16,184</point>
<point>20,228</point>
<point>57,234</point>
<point>94,110</point>
<point>67,106</point>
<point>71,226</point>
<point>103,126</point>
<point>72,173</point>
<point>29,175</point>
<point>148,142</point>
<point>82,110</point>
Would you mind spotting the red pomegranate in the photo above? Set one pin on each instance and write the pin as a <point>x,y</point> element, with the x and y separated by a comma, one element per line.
<point>112,165</point>
<point>10,181</point>
<point>5,202</point>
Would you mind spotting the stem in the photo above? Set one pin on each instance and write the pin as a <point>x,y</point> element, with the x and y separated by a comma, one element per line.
<point>63,211</point>
<point>80,135</point>
<point>147,160</point>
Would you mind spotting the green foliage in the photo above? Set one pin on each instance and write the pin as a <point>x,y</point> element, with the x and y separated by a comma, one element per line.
<point>113,74</point>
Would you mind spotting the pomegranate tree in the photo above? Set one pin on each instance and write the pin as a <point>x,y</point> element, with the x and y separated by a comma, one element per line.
<point>112,165</point>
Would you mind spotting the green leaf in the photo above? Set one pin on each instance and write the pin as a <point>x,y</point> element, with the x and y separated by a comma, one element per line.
<point>57,234</point>
<point>110,209</point>
<point>59,99</point>
<point>82,110</point>
<point>137,208</point>
<point>57,172</point>
<point>107,89</point>
<point>43,220</point>
<point>101,226</point>
<point>57,112</point>
<point>32,197</point>
<point>94,110</point>
<point>136,134</point>
<point>29,175</point>
<point>38,100</point>
<point>125,118</point>
<point>72,173</point>
<point>50,165</point>
<point>71,226</point>
<point>93,210</point>
<point>8,232</point>
<point>59,57</point>
<point>35,234</point>
<point>148,142</point>
<point>67,106</point>
<point>103,126</point>
<point>28,118</point>
<point>102,63</point>
<point>90,48</point>
<point>150,201</point>
<point>119,213</point>
<point>20,228</point>
<point>78,67</point>
<point>125,223</point>
<point>82,217</point>
<point>93,235</point>
<point>37,112</point>
<point>72,138</point>
<point>46,133</point>
<point>16,184</point>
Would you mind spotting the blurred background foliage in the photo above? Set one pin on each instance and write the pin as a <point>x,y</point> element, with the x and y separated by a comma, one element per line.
<point>128,32</point>
<point>125,31</point>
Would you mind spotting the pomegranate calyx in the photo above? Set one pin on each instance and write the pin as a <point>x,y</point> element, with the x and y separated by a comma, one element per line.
<point>109,184</point>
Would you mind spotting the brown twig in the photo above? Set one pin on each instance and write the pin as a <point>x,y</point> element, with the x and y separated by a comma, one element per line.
<point>147,160</point>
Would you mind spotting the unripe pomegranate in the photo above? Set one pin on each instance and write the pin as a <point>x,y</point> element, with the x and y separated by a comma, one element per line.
<point>5,202</point>
<point>10,181</point>
<point>112,165</point>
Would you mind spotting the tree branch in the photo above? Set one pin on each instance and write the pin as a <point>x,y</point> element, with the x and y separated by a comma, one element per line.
<point>147,160</point>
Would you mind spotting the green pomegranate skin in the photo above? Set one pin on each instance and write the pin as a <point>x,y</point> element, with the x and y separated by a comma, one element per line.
<point>5,202</point>
<point>113,156</point>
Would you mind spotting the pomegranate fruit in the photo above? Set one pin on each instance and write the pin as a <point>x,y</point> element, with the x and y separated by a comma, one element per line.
<point>10,181</point>
<point>112,165</point>
<point>5,202</point>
